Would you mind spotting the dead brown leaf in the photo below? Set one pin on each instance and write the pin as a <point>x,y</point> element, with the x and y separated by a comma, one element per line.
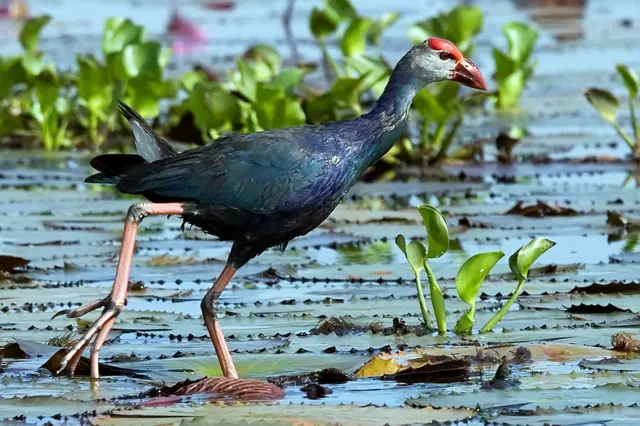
<point>540,209</point>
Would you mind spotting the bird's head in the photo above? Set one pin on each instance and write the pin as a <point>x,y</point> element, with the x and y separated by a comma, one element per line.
<point>437,59</point>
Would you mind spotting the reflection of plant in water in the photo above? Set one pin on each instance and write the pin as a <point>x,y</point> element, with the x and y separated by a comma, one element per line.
<point>376,252</point>
<point>470,275</point>
<point>607,105</point>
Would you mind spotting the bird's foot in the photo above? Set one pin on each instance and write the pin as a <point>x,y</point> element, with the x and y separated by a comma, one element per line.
<point>100,327</point>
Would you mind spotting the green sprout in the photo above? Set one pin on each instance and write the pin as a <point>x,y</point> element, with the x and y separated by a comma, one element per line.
<point>514,67</point>
<point>470,276</point>
<point>520,262</point>
<point>607,105</point>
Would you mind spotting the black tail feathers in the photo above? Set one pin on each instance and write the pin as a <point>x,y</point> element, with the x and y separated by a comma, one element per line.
<point>149,144</point>
<point>113,167</point>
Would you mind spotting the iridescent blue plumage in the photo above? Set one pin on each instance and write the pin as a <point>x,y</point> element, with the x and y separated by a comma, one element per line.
<point>263,189</point>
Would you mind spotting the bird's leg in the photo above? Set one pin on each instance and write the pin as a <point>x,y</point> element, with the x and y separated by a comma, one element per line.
<point>208,306</point>
<point>113,303</point>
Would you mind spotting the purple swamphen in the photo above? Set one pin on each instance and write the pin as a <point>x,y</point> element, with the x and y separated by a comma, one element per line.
<point>258,190</point>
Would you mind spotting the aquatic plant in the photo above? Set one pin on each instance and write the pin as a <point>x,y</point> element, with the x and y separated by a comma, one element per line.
<point>470,276</point>
<point>607,105</point>
<point>514,67</point>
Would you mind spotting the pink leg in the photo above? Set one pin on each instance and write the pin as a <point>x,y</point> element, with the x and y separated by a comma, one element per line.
<point>113,303</point>
<point>208,306</point>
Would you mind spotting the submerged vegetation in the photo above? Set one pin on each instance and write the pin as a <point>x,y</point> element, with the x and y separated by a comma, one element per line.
<point>470,276</point>
<point>77,108</point>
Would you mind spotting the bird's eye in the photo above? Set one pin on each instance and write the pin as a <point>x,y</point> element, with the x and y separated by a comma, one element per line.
<point>445,56</point>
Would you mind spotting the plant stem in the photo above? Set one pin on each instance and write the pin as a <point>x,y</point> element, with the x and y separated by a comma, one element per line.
<point>329,60</point>
<point>498,316</point>
<point>437,138</point>
<point>634,121</point>
<point>623,135</point>
<point>442,152</point>
<point>437,300</point>
<point>426,317</point>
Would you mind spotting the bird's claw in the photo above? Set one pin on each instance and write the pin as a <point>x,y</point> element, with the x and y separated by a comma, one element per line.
<point>84,309</point>
<point>72,357</point>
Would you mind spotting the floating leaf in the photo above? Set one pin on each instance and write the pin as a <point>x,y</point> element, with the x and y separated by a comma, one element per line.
<point>119,33</point>
<point>604,102</point>
<point>437,231</point>
<point>520,262</point>
<point>378,366</point>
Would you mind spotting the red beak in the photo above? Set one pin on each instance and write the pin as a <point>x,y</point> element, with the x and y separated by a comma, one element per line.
<point>467,74</point>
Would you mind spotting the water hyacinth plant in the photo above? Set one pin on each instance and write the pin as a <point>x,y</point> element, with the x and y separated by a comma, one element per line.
<point>607,105</point>
<point>470,276</point>
<point>515,66</point>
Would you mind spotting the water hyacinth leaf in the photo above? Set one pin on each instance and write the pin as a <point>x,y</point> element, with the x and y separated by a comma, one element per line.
<point>375,32</point>
<point>245,80</point>
<point>321,23</point>
<point>190,78</point>
<point>401,242</point>
<point>437,230</point>
<point>464,23</point>
<point>630,79</point>
<point>289,79</point>
<point>354,40</point>
<point>504,64</point>
<point>416,255</point>
<point>521,39</point>
<point>343,9</point>
<point>267,55</point>
<point>33,62</point>
<point>30,32</point>
<point>472,273</point>
<point>510,89</point>
<point>93,83</point>
<point>469,279</point>
<point>604,102</point>
<point>142,58</point>
<point>520,262</point>
<point>118,33</point>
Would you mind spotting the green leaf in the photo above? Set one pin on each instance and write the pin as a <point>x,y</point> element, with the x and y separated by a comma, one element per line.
<point>429,106</point>
<point>213,107</point>
<point>93,83</point>
<point>472,273</point>
<point>510,89</point>
<point>469,279</point>
<point>630,79</point>
<point>30,32</point>
<point>143,58</point>
<point>375,32</point>
<point>245,80</point>
<point>437,231</point>
<point>12,72</point>
<point>33,63</point>
<point>354,40</point>
<point>464,23</point>
<point>604,102</point>
<point>343,9</point>
<point>119,33</point>
<point>521,39</point>
<point>289,79</point>
<point>322,23</point>
<point>415,252</point>
<point>416,255</point>
<point>265,54</point>
<point>520,262</point>
<point>505,66</point>
<point>189,79</point>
